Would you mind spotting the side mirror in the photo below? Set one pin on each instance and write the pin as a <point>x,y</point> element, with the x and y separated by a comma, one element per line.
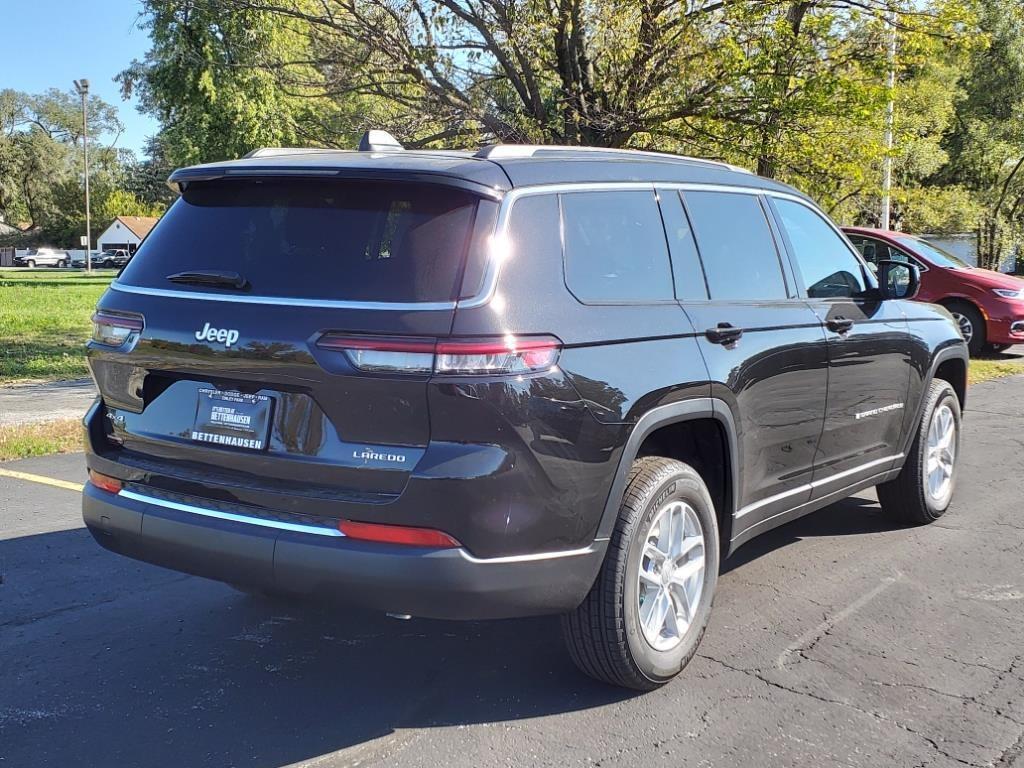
<point>898,279</point>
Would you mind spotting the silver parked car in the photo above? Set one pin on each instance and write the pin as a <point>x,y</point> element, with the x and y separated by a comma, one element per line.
<point>43,257</point>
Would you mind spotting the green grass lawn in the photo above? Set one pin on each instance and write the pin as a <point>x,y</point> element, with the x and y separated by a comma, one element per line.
<point>986,370</point>
<point>44,322</point>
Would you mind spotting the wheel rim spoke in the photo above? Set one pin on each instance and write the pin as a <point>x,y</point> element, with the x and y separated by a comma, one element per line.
<point>649,578</point>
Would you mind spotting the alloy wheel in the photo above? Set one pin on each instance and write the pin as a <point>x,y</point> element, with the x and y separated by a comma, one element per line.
<point>940,459</point>
<point>671,577</point>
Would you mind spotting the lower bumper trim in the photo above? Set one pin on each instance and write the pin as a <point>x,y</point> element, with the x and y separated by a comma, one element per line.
<point>316,530</point>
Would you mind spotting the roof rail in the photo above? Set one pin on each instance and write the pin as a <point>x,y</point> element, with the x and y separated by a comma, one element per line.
<point>272,151</point>
<point>379,141</point>
<point>514,151</point>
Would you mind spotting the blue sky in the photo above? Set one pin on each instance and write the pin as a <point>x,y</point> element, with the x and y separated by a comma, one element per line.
<point>50,43</point>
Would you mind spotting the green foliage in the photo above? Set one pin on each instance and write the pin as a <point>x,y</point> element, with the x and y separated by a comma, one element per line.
<point>210,79</point>
<point>120,202</point>
<point>938,210</point>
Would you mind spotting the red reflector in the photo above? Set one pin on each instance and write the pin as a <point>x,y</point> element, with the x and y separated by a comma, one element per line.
<point>104,482</point>
<point>397,534</point>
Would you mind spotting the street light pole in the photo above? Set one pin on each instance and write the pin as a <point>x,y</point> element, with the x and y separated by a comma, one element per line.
<point>82,86</point>
<point>890,84</point>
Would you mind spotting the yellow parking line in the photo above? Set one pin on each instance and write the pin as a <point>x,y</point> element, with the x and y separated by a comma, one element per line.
<point>41,479</point>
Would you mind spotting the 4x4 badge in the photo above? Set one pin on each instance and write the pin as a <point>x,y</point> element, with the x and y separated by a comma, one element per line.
<point>227,336</point>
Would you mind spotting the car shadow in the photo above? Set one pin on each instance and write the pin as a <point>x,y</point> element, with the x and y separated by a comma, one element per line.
<point>111,662</point>
<point>853,516</point>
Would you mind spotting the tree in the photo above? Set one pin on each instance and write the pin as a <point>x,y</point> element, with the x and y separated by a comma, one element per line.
<point>985,141</point>
<point>41,172</point>
<point>792,88</point>
<point>209,80</point>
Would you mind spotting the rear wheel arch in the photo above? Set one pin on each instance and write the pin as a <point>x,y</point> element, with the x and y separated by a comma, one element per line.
<point>697,432</point>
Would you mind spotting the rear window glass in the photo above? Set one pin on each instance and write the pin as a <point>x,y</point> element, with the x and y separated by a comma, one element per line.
<point>615,247</point>
<point>349,241</point>
<point>736,246</point>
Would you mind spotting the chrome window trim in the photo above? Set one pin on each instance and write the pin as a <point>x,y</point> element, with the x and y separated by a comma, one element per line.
<point>236,518</point>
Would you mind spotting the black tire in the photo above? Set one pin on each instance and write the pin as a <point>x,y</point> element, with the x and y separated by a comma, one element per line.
<point>63,263</point>
<point>30,264</point>
<point>604,634</point>
<point>108,264</point>
<point>906,498</point>
<point>968,313</point>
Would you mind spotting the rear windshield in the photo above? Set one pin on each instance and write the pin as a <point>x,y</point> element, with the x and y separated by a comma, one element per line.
<point>314,239</point>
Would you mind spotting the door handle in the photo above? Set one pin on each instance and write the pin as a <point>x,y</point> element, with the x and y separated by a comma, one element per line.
<point>839,324</point>
<point>723,333</point>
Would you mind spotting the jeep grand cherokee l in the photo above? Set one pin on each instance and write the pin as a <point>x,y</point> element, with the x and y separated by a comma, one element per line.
<point>524,381</point>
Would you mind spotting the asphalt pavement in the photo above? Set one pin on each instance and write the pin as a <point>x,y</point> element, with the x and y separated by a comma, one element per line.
<point>840,639</point>
<point>43,401</point>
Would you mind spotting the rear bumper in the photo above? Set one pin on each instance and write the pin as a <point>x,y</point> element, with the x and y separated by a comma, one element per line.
<point>446,584</point>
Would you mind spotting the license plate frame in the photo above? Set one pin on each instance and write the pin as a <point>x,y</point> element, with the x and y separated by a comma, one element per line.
<point>230,419</point>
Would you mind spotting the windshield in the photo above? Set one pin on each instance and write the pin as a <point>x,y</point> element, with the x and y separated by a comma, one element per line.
<point>336,240</point>
<point>936,256</point>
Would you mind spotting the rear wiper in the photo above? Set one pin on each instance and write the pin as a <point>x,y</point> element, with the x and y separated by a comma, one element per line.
<point>210,277</point>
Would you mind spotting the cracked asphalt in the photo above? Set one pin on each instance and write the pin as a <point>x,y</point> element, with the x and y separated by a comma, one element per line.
<point>840,639</point>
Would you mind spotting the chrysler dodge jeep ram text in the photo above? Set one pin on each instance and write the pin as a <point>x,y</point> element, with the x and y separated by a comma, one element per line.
<point>527,380</point>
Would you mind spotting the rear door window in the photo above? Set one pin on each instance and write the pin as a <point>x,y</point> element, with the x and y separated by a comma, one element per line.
<point>736,246</point>
<point>615,249</point>
<point>315,239</point>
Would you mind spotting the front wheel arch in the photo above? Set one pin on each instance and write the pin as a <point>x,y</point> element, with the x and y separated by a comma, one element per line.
<point>964,306</point>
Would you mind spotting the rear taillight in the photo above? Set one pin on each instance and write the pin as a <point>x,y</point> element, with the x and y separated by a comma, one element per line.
<point>112,329</point>
<point>490,356</point>
<point>398,534</point>
<point>456,357</point>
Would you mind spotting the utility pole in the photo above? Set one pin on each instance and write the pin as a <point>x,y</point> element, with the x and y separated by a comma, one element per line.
<point>890,107</point>
<point>82,86</point>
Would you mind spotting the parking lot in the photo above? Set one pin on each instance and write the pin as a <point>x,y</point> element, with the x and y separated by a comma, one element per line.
<point>840,639</point>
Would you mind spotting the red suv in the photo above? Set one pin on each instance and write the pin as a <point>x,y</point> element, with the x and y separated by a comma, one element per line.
<point>987,305</point>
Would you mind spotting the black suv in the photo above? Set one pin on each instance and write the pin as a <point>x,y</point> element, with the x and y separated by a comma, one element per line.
<point>527,380</point>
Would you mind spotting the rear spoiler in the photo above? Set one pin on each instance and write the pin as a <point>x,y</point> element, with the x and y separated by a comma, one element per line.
<point>183,177</point>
